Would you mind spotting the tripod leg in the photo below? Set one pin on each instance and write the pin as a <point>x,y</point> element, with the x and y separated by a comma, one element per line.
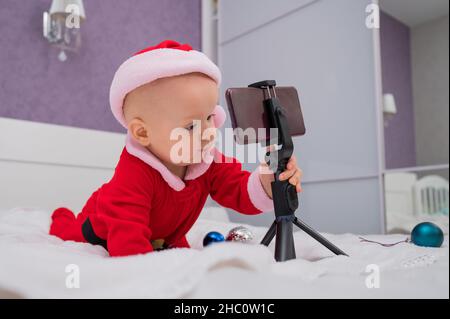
<point>311,232</point>
<point>293,245</point>
<point>269,235</point>
<point>284,242</point>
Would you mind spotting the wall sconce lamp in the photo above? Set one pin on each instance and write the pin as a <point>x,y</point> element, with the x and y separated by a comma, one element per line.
<point>61,25</point>
<point>389,108</point>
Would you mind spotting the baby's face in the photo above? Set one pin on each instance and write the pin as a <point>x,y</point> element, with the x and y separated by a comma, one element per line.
<point>173,117</point>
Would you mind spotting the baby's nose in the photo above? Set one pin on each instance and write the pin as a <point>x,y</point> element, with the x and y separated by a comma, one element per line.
<point>209,133</point>
<point>207,125</point>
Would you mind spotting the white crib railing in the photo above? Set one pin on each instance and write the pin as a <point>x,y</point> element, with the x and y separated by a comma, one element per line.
<point>431,195</point>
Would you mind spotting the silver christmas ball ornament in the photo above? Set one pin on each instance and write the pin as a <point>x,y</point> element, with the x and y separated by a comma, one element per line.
<point>240,234</point>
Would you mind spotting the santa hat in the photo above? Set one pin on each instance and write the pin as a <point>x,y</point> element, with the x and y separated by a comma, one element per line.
<point>169,58</point>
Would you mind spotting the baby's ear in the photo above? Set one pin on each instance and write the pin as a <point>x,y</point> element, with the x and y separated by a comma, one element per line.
<point>138,130</point>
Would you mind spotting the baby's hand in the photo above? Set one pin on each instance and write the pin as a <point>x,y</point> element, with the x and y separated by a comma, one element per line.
<point>293,173</point>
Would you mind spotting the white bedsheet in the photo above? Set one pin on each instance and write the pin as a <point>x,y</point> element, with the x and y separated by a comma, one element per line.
<point>33,265</point>
<point>403,223</point>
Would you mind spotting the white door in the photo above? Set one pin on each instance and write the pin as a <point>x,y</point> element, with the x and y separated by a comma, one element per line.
<point>325,50</point>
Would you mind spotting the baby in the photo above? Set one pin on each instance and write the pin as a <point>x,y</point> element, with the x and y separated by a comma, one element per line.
<point>157,192</point>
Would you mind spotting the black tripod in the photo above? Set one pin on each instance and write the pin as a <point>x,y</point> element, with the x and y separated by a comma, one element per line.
<point>283,193</point>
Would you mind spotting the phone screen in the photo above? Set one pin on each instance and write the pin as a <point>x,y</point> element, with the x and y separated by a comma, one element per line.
<point>246,108</point>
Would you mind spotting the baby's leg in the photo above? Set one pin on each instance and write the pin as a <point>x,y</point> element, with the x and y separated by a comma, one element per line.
<point>65,225</point>
<point>68,227</point>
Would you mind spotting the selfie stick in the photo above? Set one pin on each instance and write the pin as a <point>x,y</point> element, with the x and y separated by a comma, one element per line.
<point>284,195</point>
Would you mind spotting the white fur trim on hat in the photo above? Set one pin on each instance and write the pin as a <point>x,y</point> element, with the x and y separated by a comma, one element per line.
<point>151,65</point>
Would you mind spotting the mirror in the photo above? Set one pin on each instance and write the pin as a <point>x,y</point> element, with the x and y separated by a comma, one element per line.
<point>414,43</point>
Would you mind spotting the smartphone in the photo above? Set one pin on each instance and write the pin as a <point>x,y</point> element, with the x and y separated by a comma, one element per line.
<point>246,107</point>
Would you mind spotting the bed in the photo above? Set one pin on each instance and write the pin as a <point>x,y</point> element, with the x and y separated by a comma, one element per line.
<point>59,167</point>
<point>36,265</point>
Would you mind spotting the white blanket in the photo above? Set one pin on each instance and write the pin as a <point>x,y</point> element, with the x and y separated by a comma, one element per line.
<point>36,265</point>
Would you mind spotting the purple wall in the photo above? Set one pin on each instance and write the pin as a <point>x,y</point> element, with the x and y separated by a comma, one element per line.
<point>396,67</point>
<point>36,86</point>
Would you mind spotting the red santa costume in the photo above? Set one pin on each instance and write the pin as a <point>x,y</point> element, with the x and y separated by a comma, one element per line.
<point>144,201</point>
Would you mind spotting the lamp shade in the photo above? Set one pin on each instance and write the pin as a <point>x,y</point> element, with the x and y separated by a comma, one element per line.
<point>389,106</point>
<point>59,6</point>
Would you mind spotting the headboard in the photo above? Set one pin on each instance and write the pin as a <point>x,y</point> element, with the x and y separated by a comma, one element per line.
<point>46,166</point>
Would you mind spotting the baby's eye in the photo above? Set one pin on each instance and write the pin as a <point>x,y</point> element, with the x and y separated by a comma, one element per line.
<point>191,126</point>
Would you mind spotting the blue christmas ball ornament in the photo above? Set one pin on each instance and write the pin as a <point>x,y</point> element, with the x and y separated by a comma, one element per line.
<point>427,235</point>
<point>213,237</point>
